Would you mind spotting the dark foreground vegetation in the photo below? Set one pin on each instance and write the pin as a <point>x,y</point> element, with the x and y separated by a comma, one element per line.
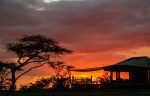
<point>110,92</point>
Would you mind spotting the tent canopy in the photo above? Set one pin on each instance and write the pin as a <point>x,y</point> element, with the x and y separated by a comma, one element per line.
<point>87,69</point>
<point>125,65</point>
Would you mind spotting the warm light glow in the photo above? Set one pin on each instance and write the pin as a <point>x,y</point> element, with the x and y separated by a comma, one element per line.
<point>94,74</point>
<point>83,76</point>
<point>50,1</point>
<point>99,74</point>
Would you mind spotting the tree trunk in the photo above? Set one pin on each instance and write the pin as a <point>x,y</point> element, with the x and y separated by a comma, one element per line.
<point>13,81</point>
<point>1,84</point>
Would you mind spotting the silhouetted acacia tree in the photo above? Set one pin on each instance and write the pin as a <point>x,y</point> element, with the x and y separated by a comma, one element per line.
<point>36,50</point>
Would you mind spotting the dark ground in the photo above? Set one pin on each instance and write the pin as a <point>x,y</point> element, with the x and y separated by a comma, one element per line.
<point>110,92</point>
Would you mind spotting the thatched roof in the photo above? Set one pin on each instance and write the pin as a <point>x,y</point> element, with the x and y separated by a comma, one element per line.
<point>131,63</point>
<point>136,62</point>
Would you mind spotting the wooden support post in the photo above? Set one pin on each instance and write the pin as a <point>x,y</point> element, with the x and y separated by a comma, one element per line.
<point>111,76</point>
<point>91,79</point>
<point>148,77</point>
<point>130,76</point>
<point>117,76</point>
<point>72,81</point>
<point>86,80</point>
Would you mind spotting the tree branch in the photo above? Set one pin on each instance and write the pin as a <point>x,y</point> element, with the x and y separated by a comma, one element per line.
<point>19,60</point>
<point>26,62</point>
<point>29,70</point>
<point>38,61</point>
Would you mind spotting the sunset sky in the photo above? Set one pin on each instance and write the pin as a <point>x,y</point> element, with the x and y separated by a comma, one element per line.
<point>100,32</point>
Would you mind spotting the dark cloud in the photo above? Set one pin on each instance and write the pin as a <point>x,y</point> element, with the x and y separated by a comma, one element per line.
<point>87,26</point>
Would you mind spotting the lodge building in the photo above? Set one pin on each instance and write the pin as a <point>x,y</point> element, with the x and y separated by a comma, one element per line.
<point>138,69</point>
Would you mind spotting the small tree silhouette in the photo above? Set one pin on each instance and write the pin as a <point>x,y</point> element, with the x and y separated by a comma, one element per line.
<point>63,75</point>
<point>4,73</point>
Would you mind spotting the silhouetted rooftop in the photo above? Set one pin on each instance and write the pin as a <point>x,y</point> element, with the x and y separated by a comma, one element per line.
<point>143,62</point>
<point>136,62</point>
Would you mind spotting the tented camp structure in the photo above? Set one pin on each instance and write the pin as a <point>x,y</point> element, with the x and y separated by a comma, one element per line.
<point>137,67</point>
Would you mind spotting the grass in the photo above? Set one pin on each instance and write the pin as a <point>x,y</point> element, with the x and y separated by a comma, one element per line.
<point>110,92</point>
